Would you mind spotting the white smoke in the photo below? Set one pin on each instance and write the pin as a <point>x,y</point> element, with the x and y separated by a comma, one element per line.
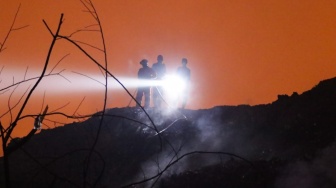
<point>320,172</point>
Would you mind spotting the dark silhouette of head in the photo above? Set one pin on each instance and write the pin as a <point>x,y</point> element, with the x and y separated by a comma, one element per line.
<point>144,62</point>
<point>184,61</point>
<point>159,58</point>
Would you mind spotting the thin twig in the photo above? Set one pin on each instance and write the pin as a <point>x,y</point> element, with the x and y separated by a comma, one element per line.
<point>61,107</point>
<point>42,102</point>
<point>97,48</point>
<point>78,106</point>
<point>12,107</point>
<point>58,63</point>
<point>89,77</point>
<point>34,78</point>
<point>11,29</point>
<point>37,82</point>
<point>186,155</point>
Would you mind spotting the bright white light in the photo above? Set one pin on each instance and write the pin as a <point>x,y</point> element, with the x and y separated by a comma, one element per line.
<point>173,86</point>
<point>174,83</point>
<point>70,82</point>
<point>130,83</point>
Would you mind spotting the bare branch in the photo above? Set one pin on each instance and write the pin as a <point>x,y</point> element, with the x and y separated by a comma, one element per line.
<point>2,69</point>
<point>3,91</point>
<point>83,30</point>
<point>39,79</point>
<point>58,63</point>
<point>110,74</point>
<point>2,129</point>
<point>90,46</point>
<point>61,107</point>
<point>11,29</point>
<point>43,98</point>
<point>59,74</point>
<point>44,167</point>
<point>10,111</point>
<point>34,78</point>
<point>89,78</point>
<point>18,28</point>
<point>78,106</point>
<point>45,23</point>
<point>10,97</point>
<point>55,122</point>
<point>25,74</point>
<point>93,13</point>
<point>187,155</point>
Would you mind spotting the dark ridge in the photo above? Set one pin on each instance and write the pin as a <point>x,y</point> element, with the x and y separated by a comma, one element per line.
<point>290,143</point>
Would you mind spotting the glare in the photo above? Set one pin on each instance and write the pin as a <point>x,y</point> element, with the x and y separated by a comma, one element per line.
<point>173,86</point>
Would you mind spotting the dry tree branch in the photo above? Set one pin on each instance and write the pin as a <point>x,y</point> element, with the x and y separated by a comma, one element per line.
<point>89,77</point>
<point>104,69</point>
<point>18,28</point>
<point>55,122</point>
<point>1,69</point>
<point>84,30</point>
<point>43,98</point>
<point>11,29</point>
<point>91,9</point>
<point>27,80</point>
<point>2,131</point>
<point>13,125</point>
<point>61,107</point>
<point>37,125</point>
<point>107,73</point>
<point>92,12</point>
<point>87,116</point>
<point>59,73</point>
<point>45,124</point>
<point>78,106</point>
<point>34,78</point>
<point>1,72</point>
<point>58,63</point>
<point>4,91</point>
<point>10,108</point>
<point>187,155</point>
<point>25,74</point>
<point>176,152</point>
<point>44,167</point>
<point>6,134</point>
<point>8,104</point>
<point>111,75</point>
<point>97,48</point>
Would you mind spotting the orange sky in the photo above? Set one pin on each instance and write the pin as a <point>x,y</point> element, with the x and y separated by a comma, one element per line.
<point>239,52</point>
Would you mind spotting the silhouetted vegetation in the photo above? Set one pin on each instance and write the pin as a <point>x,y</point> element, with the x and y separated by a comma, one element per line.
<point>289,142</point>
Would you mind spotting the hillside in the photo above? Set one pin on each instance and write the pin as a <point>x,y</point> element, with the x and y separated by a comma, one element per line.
<point>287,143</point>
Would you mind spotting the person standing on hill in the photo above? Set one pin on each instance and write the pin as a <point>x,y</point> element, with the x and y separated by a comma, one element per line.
<point>145,73</point>
<point>184,73</point>
<point>160,70</point>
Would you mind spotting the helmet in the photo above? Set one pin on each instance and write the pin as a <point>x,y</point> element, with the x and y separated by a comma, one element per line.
<point>144,62</point>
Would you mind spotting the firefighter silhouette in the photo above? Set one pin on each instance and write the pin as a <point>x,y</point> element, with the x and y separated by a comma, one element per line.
<point>145,73</point>
<point>184,73</point>
<point>160,70</point>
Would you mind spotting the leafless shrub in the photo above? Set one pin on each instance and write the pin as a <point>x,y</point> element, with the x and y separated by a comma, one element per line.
<point>21,104</point>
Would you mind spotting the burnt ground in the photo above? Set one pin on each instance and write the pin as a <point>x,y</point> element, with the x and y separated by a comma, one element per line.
<point>287,143</point>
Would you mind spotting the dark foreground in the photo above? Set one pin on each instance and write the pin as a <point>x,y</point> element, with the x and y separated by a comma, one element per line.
<point>288,143</point>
